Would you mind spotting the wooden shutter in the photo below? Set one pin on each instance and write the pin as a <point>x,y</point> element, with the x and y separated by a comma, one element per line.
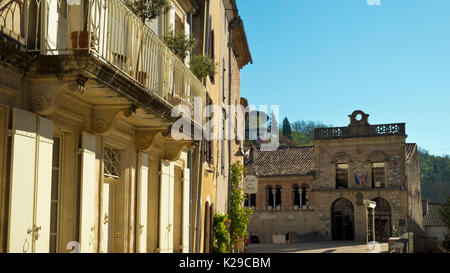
<point>142,204</point>
<point>171,206</point>
<point>164,207</point>
<point>44,184</point>
<point>105,217</point>
<point>87,207</point>
<point>23,155</point>
<point>186,195</point>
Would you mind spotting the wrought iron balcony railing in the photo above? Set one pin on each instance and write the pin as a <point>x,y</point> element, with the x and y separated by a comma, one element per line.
<point>107,30</point>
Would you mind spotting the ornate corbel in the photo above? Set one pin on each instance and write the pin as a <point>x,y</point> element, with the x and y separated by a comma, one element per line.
<point>104,118</point>
<point>149,139</point>
<point>46,98</point>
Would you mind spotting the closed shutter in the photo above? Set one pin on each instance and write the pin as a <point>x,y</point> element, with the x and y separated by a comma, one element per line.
<point>164,207</point>
<point>186,193</point>
<point>44,184</point>
<point>31,174</point>
<point>170,200</point>
<point>142,203</point>
<point>23,154</point>
<point>87,207</point>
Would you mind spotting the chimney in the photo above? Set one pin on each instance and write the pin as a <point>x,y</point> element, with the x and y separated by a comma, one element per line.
<point>425,207</point>
<point>253,154</point>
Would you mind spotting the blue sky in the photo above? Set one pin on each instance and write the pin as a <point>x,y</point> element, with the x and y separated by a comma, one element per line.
<point>322,59</point>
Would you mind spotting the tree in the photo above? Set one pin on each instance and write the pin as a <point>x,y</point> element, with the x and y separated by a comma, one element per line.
<point>238,213</point>
<point>148,9</point>
<point>287,130</point>
<point>221,235</point>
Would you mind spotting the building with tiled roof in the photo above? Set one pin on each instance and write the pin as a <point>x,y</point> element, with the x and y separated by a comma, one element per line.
<point>318,192</point>
<point>432,221</point>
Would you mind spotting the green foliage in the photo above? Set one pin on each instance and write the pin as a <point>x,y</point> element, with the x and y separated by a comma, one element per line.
<point>396,232</point>
<point>202,66</point>
<point>180,43</point>
<point>444,212</point>
<point>238,213</point>
<point>302,133</point>
<point>287,130</point>
<point>221,235</point>
<point>148,9</point>
<point>434,176</point>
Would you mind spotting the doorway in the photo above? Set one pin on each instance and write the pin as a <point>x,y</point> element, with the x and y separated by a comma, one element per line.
<point>383,227</point>
<point>342,220</point>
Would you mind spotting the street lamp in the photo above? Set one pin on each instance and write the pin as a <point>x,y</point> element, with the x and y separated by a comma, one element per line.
<point>372,205</point>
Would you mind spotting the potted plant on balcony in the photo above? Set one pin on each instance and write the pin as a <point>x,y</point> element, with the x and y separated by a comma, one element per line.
<point>202,66</point>
<point>146,10</point>
<point>80,39</point>
<point>180,43</point>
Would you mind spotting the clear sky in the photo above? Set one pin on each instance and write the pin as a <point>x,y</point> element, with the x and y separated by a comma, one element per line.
<point>322,59</point>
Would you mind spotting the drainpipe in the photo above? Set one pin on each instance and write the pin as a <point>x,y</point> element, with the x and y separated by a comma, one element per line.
<point>199,197</point>
<point>230,80</point>
<point>202,149</point>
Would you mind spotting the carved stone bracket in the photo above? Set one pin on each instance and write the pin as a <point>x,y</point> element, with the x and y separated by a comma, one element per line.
<point>104,118</point>
<point>45,98</point>
<point>150,139</point>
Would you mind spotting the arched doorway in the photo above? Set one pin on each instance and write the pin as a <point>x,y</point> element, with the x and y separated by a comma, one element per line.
<point>383,227</point>
<point>342,220</point>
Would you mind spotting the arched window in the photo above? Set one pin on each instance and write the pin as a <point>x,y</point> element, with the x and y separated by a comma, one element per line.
<point>278,197</point>
<point>296,196</point>
<point>378,166</point>
<point>270,198</point>
<point>378,175</point>
<point>342,176</point>
<point>250,200</point>
<point>342,167</point>
<point>303,198</point>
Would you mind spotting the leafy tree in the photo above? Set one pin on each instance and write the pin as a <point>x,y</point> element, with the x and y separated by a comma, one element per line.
<point>287,130</point>
<point>221,235</point>
<point>238,213</point>
<point>434,176</point>
<point>148,9</point>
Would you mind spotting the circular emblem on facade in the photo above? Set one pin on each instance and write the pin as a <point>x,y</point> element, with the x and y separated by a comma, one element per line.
<point>101,126</point>
<point>39,102</point>
<point>359,199</point>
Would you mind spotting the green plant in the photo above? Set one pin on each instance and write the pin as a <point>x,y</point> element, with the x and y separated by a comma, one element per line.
<point>148,9</point>
<point>238,213</point>
<point>202,66</point>
<point>180,43</point>
<point>221,235</point>
<point>396,232</point>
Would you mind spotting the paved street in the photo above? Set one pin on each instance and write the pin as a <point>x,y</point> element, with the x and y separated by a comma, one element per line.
<point>316,247</point>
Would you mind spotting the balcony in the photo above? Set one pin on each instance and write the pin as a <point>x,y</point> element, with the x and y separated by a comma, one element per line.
<point>397,129</point>
<point>107,31</point>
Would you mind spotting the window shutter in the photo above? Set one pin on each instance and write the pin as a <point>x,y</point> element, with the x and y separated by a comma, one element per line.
<point>88,190</point>
<point>164,207</point>
<point>171,206</point>
<point>142,203</point>
<point>186,194</point>
<point>23,154</point>
<point>44,183</point>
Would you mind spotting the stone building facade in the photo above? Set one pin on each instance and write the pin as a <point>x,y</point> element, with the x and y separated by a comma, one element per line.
<point>345,167</point>
<point>87,159</point>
